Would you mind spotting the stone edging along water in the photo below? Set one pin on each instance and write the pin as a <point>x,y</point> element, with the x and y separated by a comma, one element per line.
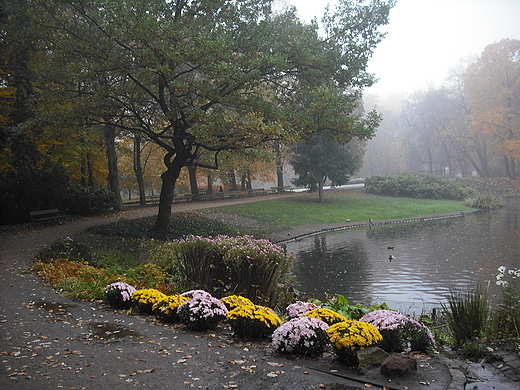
<point>368,224</point>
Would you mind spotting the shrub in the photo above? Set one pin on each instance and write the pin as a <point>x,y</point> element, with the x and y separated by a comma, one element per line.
<point>119,295</point>
<point>166,309</point>
<point>223,264</point>
<point>202,312</point>
<point>66,248</point>
<point>400,333</point>
<point>143,300</point>
<point>466,313</point>
<point>298,308</point>
<point>421,186</point>
<point>76,280</point>
<point>253,321</point>
<point>89,201</point>
<point>326,315</point>
<point>485,202</point>
<point>305,336</point>
<point>348,337</point>
<point>341,305</point>
<point>150,276</point>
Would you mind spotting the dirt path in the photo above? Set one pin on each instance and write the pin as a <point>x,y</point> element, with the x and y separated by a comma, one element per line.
<point>50,342</point>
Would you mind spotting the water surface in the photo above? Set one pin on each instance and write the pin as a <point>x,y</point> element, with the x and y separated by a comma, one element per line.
<point>430,258</point>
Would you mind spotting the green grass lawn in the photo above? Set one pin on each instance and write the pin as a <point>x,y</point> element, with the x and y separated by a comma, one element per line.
<point>339,206</point>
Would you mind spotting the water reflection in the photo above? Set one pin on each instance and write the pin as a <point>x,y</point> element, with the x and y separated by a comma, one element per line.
<point>430,258</point>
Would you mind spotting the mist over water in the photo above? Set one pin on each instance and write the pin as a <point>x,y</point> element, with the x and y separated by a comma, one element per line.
<point>430,258</point>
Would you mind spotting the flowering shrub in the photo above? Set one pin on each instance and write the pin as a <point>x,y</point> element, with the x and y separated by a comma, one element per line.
<point>350,336</point>
<point>233,301</point>
<point>193,293</point>
<point>144,299</point>
<point>253,321</point>
<point>202,312</point>
<point>400,332</point>
<point>302,336</point>
<point>506,318</point>
<point>515,273</point>
<point>326,315</point>
<point>223,264</point>
<point>119,295</point>
<point>166,309</point>
<point>298,308</point>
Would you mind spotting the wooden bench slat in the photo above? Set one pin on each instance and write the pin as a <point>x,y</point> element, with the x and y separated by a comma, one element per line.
<point>44,212</point>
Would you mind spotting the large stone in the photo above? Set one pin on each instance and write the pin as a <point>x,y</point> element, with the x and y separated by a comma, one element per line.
<point>370,358</point>
<point>399,365</point>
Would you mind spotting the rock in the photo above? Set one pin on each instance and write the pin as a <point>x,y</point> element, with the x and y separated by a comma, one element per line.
<point>399,365</point>
<point>371,357</point>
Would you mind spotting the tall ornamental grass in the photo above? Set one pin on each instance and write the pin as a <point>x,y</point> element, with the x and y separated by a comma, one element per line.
<point>223,265</point>
<point>466,313</point>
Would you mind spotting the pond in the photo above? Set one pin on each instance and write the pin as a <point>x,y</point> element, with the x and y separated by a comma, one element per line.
<point>430,258</point>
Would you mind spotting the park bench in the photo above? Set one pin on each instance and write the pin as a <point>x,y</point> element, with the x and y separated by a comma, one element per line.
<point>230,194</point>
<point>282,189</point>
<point>46,215</point>
<point>256,191</point>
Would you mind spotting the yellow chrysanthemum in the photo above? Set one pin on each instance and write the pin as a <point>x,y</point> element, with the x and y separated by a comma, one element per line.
<point>169,304</point>
<point>353,335</point>
<point>234,301</point>
<point>326,315</point>
<point>253,321</point>
<point>146,298</point>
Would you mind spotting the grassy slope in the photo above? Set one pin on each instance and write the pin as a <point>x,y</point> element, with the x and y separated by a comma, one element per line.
<point>339,206</point>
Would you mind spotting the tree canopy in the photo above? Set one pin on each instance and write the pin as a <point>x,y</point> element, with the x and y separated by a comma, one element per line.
<point>206,75</point>
<point>320,159</point>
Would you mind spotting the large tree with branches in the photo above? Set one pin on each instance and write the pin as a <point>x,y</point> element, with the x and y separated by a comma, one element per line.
<point>213,75</point>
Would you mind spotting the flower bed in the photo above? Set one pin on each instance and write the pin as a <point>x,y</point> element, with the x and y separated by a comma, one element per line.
<point>310,331</point>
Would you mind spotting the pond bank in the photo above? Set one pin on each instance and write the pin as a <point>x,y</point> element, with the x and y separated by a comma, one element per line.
<point>304,231</point>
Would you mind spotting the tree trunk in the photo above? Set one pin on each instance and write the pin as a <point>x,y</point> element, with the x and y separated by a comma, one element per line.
<point>166,199</point>
<point>113,179</point>
<point>90,169</point>
<point>243,182</point>
<point>320,191</point>
<point>169,178</point>
<point>249,185</point>
<point>83,171</point>
<point>233,181</point>
<point>210,185</point>
<point>279,172</point>
<point>138,170</point>
<point>506,166</point>
<point>192,171</point>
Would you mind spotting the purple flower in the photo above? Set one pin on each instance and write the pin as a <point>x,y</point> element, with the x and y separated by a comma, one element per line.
<point>298,308</point>
<point>125,289</point>
<point>302,335</point>
<point>400,332</point>
<point>203,311</point>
